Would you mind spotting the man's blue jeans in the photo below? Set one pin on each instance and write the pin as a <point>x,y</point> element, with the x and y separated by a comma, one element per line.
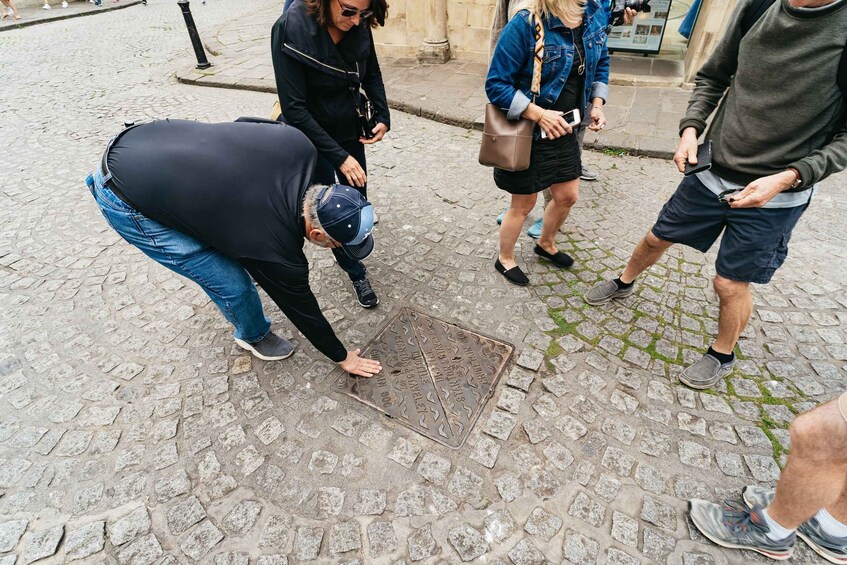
<point>223,279</point>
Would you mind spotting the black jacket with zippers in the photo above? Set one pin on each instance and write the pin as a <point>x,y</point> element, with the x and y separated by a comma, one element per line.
<point>314,77</point>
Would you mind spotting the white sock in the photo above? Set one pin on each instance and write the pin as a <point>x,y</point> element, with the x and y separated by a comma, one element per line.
<point>777,532</point>
<point>830,525</point>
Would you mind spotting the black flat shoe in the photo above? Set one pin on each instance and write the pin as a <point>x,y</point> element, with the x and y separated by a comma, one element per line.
<point>514,275</point>
<point>560,259</point>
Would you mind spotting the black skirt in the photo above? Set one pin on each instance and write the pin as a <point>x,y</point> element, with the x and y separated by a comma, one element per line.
<point>552,161</point>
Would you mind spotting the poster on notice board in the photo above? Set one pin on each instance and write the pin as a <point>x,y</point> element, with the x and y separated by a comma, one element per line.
<point>645,33</point>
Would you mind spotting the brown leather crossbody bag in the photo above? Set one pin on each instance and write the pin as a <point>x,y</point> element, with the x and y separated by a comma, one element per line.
<point>507,144</point>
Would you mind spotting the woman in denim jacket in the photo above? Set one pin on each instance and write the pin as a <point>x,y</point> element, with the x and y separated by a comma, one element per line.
<point>575,71</point>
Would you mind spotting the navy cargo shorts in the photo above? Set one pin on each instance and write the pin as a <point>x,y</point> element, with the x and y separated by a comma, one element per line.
<point>755,240</point>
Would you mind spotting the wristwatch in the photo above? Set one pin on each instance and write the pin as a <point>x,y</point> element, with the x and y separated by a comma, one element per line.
<point>798,180</point>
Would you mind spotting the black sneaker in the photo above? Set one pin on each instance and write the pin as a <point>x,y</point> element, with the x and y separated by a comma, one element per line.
<point>365,293</point>
<point>270,348</point>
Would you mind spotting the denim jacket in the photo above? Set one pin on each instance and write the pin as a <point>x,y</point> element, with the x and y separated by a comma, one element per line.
<point>510,74</point>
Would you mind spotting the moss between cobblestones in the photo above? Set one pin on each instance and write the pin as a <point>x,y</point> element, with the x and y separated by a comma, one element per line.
<point>765,423</point>
<point>554,350</point>
<point>565,327</point>
<point>615,152</point>
<point>656,356</point>
<point>776,446</point>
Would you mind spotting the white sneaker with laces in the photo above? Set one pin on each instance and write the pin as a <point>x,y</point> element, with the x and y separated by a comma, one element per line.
<point>46,6</point>
<point>64,4</point>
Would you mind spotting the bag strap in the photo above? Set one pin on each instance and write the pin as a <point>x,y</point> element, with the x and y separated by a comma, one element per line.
<point>538,54</point>
<point>842,74</point>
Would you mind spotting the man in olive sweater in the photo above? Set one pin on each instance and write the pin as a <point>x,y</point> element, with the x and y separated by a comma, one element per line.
<point>779,130</point>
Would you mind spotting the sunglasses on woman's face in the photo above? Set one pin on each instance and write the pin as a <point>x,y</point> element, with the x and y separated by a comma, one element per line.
<point>350,11</point>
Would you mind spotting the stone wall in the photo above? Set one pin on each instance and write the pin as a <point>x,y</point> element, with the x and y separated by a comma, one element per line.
<point>468,23</point>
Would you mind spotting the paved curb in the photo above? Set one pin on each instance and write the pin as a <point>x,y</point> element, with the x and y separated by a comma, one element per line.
<point>59,17</point>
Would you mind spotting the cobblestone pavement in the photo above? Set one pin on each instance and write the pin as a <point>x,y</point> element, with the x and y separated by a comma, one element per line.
<point>133,431</point>
<point>34,15</point>
<point>643,119</point>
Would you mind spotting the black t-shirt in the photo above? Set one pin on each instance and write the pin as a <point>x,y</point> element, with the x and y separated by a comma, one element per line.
<point>571,95</point>
<point>237,187</point>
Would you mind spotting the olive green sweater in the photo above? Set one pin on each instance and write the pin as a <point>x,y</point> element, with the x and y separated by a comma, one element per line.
<point>780,105</point>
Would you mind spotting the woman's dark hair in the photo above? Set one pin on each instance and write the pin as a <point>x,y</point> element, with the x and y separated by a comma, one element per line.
<point>321,10</point>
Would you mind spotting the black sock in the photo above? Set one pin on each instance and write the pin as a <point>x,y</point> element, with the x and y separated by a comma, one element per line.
<point>622,285</point>
<point>722,357</point>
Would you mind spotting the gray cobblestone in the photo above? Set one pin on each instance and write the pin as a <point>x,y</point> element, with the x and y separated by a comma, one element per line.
<point>467,542</point>
<point>242,518</point>
<point>543,524</point>
<point>10,533</point>
<point>201,540</point>
<point>485,452</point>
<point>405,452</point>
<point>345,537</point>
<point>381,538</point>
<point>42,543</point>
<point>587,510</point>
<point>85,541</point>
<point>658,513</point>
<point>579,549</point>
<point>307,543</point>
<point>185,514</point>
<point>232,558</point>
<point>525,553</point>
<point>130,526</point>
<point>410,503</point>
<point>142,551</point>
<point>277,533</point>
<point>421,543</point>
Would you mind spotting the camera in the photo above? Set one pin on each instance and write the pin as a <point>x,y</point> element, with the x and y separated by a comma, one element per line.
<point>618,7</point>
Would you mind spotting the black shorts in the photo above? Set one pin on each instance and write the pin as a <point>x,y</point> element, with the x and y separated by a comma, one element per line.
<point>755,240</point>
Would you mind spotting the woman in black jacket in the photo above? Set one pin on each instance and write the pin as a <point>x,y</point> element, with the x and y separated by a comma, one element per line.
<point>323,54</point>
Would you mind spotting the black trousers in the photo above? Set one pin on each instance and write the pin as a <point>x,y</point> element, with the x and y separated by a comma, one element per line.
<point>325,173</point>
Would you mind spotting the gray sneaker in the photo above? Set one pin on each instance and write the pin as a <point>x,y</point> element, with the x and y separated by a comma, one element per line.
<point>706,372</point>
<point>757,496</point>
<point>735,526</point>
<point>831,548</point>
<point>588,174</point>
<point>270,348</point>
<point>606,291</point>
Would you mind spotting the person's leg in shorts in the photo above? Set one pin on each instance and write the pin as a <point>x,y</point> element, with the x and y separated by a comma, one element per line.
<point>810,500</point>
<point>691,217</point>
<point>754,246</point>
<point>225,282</point>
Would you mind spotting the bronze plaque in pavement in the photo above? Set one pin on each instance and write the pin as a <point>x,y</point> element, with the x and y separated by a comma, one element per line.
<point>436,377</point>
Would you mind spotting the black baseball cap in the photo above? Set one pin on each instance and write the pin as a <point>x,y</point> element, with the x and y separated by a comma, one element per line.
<point>347,218</point>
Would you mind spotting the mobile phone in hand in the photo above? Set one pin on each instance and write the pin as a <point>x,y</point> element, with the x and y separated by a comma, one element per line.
<point>704,159</point>
<point>572,118</point>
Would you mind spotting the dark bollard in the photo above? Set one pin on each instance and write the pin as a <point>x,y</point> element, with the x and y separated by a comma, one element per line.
<point>202,62</point>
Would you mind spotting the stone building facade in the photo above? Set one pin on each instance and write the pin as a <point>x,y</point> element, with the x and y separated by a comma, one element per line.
<point>440,30</point>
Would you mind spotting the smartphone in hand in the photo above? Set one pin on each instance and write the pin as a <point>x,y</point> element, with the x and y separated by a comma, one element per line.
<point>704,159</point>
<point>572,118</point>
